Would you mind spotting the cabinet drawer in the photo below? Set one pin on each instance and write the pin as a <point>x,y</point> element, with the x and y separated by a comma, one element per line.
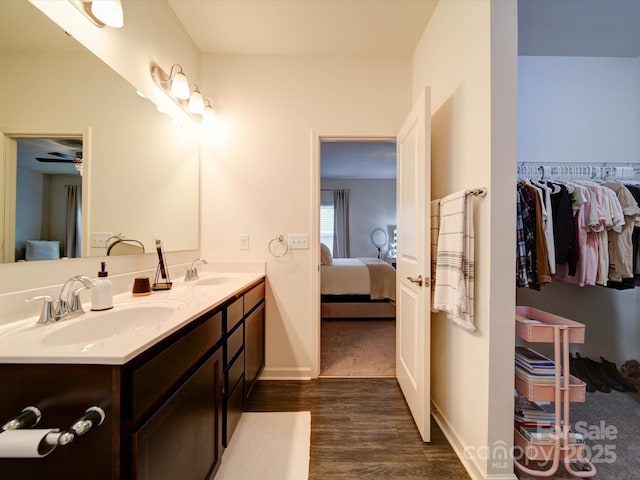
<point>234,407</point>
<point>152,380</point>
<point>253,347</point>
<point>235,372</point>
<point>234,343</point>
<point>235,312</point>
<point>253,297</point>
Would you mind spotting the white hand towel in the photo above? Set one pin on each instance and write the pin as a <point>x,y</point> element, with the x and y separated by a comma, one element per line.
<point>454,284</point>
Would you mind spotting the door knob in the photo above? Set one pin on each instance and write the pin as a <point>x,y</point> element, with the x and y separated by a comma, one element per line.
<point>417,280</point>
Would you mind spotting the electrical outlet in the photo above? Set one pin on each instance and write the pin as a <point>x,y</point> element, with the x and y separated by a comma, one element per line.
<point>298,241</point>
<point>99,239</point>
<point>244,241</point>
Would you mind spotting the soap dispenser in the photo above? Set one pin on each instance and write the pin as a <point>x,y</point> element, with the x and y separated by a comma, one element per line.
<point>102,294</point>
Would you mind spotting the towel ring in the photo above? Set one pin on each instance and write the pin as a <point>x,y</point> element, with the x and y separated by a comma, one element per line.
<point>281,248</point>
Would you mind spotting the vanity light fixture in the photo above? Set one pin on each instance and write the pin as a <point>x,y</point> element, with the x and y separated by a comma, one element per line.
<point>179,83</point>
<point>196,103</point>
<point>102,12</point>
<point>176,85</point>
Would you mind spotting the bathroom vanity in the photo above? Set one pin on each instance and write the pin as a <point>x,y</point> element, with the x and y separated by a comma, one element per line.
<point>172,396</point>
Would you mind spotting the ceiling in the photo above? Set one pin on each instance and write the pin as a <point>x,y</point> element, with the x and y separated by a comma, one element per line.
<point>591,28</point>
<point>29,149</point>
<point>318,27</point>
<point>344,159</point>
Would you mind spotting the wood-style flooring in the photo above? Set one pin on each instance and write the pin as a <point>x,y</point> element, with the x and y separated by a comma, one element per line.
<point>361,429</point>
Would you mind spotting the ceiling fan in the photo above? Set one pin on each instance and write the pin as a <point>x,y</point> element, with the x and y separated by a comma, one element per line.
<point>61,158</point>
<point>58,157</point>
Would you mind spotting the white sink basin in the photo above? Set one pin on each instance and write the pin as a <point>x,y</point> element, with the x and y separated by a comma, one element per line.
<point>218,280</point>
<point>123,319</point>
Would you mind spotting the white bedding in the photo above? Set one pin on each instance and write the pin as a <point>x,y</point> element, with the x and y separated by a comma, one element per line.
<point>347,276</point>
<point>359,276</point>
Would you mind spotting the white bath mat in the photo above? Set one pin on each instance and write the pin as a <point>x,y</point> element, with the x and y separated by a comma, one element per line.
<point>268,446</point>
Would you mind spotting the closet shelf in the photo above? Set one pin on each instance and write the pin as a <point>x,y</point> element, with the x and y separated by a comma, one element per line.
<point>544,452</point>
<point>543,332</point>
<point>546,393</point>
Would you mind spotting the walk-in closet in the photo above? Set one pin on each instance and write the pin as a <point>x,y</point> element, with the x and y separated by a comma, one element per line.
<point>579,192</point>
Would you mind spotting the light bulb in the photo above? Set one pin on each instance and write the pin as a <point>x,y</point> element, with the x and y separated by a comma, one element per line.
<point>108,12</point>
<point>196,104</point>
<point>180,86</point>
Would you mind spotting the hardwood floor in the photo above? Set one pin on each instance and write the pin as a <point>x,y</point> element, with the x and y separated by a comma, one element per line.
<point>361,429</point>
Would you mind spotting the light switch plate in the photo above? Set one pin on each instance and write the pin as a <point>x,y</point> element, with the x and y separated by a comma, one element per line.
<point>99,239</point>
<point>298,241</point>
<point>244,241</point>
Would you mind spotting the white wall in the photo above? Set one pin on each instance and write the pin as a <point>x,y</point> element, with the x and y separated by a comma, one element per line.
<point>583,109</point>
<point>372,203</point>
<point>578,109</point>
<point>468,57</point>
<point>257,172</point>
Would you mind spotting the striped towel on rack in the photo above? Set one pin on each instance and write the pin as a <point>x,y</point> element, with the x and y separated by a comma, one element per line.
<point>435,229</point>
<point>454,280</point>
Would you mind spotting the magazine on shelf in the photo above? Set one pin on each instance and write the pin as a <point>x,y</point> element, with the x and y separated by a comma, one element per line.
<point>548,436</point>
<point>531,357</point>
<point>529,321</point>
<point>530,414</point>
<point>535,378</point>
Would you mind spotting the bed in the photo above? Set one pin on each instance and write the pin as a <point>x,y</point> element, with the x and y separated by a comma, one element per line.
<point>357,288</point>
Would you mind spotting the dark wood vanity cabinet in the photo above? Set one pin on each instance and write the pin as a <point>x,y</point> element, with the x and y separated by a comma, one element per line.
<point>169,411</point>
<point>244,353</point>
<point>173,404</point>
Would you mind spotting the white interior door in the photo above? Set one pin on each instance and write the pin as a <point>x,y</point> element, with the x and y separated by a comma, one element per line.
<point>413,311</point>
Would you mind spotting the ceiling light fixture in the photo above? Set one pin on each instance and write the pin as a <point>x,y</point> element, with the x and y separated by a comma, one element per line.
<point>102,12</point>
<point>176,85</point>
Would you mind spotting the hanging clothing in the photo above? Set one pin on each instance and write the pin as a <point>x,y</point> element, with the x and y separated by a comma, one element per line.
<point>591,236</point>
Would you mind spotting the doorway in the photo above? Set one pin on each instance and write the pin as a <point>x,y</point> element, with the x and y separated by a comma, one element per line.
<point>357,229</point>
<point>43,197</point>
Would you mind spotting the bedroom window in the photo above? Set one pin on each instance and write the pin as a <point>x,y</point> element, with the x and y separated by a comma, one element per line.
<point>326,225</point>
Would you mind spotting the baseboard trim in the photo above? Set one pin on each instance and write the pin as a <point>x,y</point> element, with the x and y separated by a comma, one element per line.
<point>458,446</point>
<point>301,373</point>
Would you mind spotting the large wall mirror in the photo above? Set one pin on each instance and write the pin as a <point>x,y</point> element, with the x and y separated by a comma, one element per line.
<point>136,171</point>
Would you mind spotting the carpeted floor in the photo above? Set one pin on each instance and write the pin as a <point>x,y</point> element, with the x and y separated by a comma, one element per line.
<point>358,348</point>
<point>610,422</point>
<point>268,446</point>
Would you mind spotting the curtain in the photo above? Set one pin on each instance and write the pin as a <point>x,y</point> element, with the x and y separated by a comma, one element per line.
<point>73,244</point>
<point>341,224</point>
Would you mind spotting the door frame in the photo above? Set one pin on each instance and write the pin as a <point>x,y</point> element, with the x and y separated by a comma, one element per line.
<point>8,160</point>
<point>316,138</point>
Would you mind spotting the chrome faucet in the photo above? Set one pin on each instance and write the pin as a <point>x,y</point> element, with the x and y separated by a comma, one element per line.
<point>68,304</point>
<point>192,273</point>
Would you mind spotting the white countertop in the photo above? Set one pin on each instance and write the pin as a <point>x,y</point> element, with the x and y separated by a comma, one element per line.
<point>25,342</point>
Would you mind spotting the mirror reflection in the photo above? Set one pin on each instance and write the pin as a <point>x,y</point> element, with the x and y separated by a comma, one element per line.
<point>48,194</point>
<point>139,173</point>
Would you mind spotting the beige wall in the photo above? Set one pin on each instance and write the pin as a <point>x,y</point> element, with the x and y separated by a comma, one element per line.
<point>257,178</point>
<point>468,57</point>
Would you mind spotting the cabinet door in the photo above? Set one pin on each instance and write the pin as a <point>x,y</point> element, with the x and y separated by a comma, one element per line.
<point>183,439</point>
<point>254,327</point>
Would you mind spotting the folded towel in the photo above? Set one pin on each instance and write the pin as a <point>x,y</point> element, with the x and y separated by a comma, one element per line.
<point>454,280</point>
